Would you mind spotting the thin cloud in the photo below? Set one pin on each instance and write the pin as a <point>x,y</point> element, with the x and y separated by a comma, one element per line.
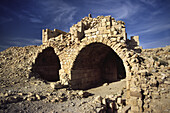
<point>150,2</point>
<point>157,28</point>
<point>10,11</point>
<point>4,20</point>
<point>19,42</point>
<point>24,41</point>
<point>36,20</point>
<point>63,12</point>
<point>120,10</point>
<point>3,47</point>
<point>22,15</point>
<point>162,42</point>
<point>128,10</point>
<point>33,18</point>
<point>27,13</point>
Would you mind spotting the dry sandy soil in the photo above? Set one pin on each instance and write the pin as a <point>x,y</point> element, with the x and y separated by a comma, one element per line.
<point>22,93</point>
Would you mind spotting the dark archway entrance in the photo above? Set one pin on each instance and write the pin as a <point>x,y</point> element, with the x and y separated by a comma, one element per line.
<point>96,64</point>
<point>47,65</point>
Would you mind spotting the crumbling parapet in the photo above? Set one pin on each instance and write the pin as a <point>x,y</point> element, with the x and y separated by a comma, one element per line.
<point>135,40</point>
<point>77,30</point>
<point>98,27</point>
<point>47,34</point>
<point>90,27</point>
<point>133,44</point>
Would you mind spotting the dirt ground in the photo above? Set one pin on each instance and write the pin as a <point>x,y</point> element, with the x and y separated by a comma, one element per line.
<point>19,98</point>
<point>107,89</point>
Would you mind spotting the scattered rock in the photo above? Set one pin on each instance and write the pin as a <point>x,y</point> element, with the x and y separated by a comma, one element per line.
<point>126,109</point>
<point>167,82</point>
<point>38,97</point>
<point>101,110</point>
<point>55,99</point>
<point>56,85</point>
<point>143,72</point>
<point>153,82</point>
<point>119,101</point>
<point>20,94</point>
<point>83,94</point>
<point>105,84</point>
<point>104,101</point>
<point>98,99</point>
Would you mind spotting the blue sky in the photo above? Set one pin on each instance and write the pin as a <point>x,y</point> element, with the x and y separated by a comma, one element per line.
<point>21,21</point>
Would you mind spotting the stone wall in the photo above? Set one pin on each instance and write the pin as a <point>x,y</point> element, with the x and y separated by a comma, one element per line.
<point>47,34</point>
<point>83,64</point>
<point>96,50</point>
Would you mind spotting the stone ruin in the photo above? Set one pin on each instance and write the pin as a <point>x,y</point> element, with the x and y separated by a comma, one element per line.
<point>93,52</point>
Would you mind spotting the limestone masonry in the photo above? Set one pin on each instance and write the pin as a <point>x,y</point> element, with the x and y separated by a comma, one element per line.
<point>93,52</point>
<point>96,50</point>
<point>94,47</point>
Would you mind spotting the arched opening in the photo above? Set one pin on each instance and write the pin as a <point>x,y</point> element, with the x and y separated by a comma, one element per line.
<point>96,64</point>
<point>47,65</point>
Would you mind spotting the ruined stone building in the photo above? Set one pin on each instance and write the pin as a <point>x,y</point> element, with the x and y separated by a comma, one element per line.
<point>94,51</point>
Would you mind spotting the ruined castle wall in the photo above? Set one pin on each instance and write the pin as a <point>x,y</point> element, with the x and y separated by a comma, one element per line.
<point>98,49</point>
<point>107,32</point>
<point>47,34</point>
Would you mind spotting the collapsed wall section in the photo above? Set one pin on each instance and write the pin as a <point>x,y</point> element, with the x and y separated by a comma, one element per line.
<point>47,34</point>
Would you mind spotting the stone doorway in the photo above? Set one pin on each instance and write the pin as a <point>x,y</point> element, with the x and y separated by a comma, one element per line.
<point>47,65</point>
<point>96,64</point>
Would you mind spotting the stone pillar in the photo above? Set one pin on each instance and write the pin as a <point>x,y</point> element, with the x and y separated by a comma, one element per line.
<point>43,40</point>
<point>45,35</point>
<point>135,40</point>
<point>124,34</point>
<point>89,15</point>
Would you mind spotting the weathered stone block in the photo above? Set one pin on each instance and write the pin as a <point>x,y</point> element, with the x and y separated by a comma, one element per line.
<point>135,109</point>
<point>103,24</point>
<point>105,40</point>
<point>135,94</point>
<point>104,35</point>
<point>126,109</point>
<point>94,30</point>
<point>133,101</point>
<point>113,39</point>
<point>101,28</point>
<point>104,20</point>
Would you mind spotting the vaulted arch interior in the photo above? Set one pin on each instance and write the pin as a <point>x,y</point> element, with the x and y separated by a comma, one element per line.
<point>47,65</point>
<point>96,64</point>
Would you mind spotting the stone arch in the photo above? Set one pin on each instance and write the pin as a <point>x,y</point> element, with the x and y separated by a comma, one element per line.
<point>109,52</point>
<point>47,64</point>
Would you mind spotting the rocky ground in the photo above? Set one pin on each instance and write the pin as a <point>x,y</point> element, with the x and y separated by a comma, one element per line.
<point>21,92</point>
<point>40,96</point>
<point>157,95</point>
